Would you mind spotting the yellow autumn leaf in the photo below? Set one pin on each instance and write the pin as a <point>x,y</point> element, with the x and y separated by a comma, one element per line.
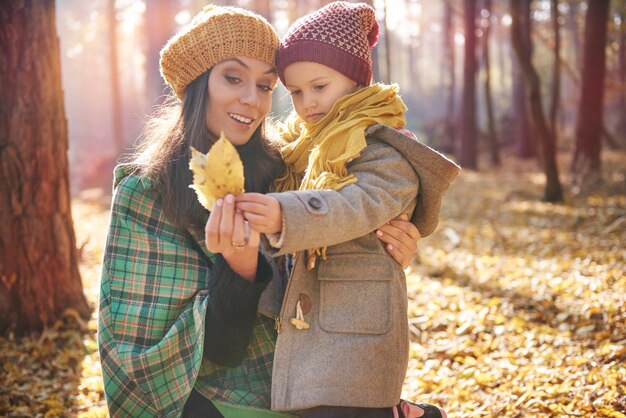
<point>216,174</point>
<point>609,412</point>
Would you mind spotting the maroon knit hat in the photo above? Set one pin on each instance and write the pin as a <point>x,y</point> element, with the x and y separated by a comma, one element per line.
<point>339,35</point>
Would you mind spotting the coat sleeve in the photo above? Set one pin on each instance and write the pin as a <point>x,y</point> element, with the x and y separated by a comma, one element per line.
<point>386,186</point>
<point>231,312</point>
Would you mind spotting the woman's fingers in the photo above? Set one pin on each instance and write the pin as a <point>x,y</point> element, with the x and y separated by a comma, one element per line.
<point>402,223</point>
<point>212,227</point>
<point>400,237</point>
<point>225,230</point>
<point>395,247</point>
<point>254,239</point>
<point>226,222</point>
<point>238,238</point>
<point>398,255</point>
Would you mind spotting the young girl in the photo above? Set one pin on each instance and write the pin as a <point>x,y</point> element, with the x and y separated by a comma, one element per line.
<point>343,342</point>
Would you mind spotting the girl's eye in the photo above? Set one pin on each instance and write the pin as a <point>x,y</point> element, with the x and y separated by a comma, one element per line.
<point>320,86</point>
<point>295,92</point>
<point>232,80</point>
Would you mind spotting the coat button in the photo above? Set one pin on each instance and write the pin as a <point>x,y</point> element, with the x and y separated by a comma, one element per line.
<point>315,203</point>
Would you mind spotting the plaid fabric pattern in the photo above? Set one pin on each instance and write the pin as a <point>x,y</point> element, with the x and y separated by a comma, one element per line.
<point>153,299</point>
<point>250,383</point>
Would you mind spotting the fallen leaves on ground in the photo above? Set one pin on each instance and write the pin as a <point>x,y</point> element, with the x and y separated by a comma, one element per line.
<point>517,307</point>
<point>57,373</point>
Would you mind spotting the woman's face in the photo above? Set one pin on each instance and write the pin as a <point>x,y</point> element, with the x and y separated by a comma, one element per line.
<point>240,97</point>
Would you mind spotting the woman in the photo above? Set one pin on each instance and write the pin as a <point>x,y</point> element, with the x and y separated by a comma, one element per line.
<point>178,324</point>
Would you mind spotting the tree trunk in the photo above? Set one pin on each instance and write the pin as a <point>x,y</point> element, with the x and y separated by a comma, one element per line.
<point>621,126</point>
<point>116,100</point>
<point>524,142</point>
<point>556,74</point>
<point>573,28</point>
<point>263,8</point>
<point>467,129</point>
<point>589,124</point>
<point>553,191</point>
<point>413,49</point>
<point>491,124</point>
<point>297,9</point>
<point>503,55</point>
<point>387,35</point>
<point>449,72</point>
<point>159,26</point>
<point>39,277</point>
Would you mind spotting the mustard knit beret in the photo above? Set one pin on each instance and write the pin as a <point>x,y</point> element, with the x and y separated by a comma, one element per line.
<point>214,34</point>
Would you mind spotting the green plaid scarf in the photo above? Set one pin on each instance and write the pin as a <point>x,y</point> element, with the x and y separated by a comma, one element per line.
<point>153,299</point>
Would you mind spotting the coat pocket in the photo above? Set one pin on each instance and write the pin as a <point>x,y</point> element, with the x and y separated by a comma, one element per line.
<point>355,293</point>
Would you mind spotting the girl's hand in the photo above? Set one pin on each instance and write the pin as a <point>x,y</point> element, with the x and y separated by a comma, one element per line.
<point>262,212</point>
<point>401,238</point>
<point>225,233</point>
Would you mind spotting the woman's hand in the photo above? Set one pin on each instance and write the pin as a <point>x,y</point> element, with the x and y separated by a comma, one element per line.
<point>401,238</point>
<point>263,212</point>
<point>225,233</point>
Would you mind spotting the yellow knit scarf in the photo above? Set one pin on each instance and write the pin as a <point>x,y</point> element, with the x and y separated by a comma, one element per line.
<point>316,154</point>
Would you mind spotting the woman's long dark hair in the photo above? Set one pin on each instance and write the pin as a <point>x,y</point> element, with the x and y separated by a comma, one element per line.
<point>165,152</point>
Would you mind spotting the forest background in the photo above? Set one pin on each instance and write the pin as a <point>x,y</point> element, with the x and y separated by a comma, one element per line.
<point>517,302</point>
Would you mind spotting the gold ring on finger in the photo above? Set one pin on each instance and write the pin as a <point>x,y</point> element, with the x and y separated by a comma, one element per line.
<point>238,245</point>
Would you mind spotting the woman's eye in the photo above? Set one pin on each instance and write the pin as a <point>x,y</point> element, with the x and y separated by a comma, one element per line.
<point>265,88</point>
<point>232,80</point>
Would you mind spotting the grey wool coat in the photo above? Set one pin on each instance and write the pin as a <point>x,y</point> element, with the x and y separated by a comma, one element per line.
<point>355,351</point>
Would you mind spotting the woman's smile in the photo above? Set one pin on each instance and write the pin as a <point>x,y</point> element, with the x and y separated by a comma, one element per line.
<point>240,118</point>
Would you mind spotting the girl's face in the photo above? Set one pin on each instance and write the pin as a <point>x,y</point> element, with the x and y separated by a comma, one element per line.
<point>315,88</point>
<point>240,97</point>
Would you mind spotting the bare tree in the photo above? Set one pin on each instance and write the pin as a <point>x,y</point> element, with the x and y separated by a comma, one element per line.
<point>413,49</point>
<point>622,66</point>
<point>387,37</point>
<point>449,63</point>
<point>264,8</point>
<point>159,26</point>
<point>39,277</point>
<point>467,127</point>
<point>573,7</point>
<point>524,142</point>
<point>589,126</point>
<point>553,191</point>
<point>116,101</point>
<point>297,9</point>
<point>492,136</point>
<point>556,74</point>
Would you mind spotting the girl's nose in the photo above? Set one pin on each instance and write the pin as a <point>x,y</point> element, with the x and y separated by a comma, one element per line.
<point>309,102</point>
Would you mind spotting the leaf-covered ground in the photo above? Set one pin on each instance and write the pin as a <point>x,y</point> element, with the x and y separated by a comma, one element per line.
<point>518,307</point>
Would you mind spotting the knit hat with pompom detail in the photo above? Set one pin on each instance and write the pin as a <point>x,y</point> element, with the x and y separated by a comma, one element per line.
<point>339,35</point>
<point>213,35</point>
